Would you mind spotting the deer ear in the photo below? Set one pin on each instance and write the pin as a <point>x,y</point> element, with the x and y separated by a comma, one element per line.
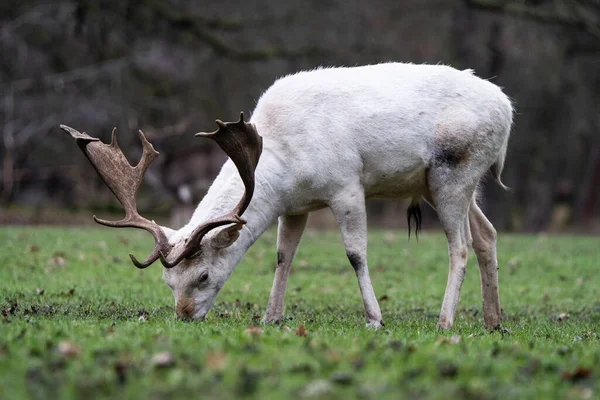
<point>226,237</point>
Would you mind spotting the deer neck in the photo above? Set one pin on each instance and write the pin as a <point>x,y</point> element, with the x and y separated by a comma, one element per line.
<point>223,195</point>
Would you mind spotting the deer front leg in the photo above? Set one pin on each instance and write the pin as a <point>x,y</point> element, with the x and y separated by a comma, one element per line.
<point>351,216</point>
<point>289,232</point>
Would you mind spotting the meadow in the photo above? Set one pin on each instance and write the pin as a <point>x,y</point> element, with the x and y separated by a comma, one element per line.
<point>79,321</point>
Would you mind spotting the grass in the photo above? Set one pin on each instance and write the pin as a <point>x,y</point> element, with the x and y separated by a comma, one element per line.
<point>79,321</point>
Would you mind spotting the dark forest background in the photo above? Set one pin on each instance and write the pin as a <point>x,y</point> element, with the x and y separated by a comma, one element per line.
<point>172,67</point>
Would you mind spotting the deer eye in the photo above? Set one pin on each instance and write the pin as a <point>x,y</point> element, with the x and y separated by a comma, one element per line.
<point>202,278</point>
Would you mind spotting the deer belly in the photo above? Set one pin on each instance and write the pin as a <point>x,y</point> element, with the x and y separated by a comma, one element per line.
<point>397,182</point>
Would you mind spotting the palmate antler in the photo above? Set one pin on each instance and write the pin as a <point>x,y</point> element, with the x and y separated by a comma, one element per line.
<point>239,140</point>
<point>123,180</point>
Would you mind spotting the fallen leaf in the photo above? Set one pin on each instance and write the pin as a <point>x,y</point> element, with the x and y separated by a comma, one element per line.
<point>546,297</point>
<point>579,374</point>
<point>448,370</point>
<point>163,360</point>
<point>300,331</point>
<point>33,249</point>
<point>215,361</point>
<point>68,349</point>
<point>57,261</point>
<point>253,330</point>
<point>562,317</point>
<point>286,328</point>
<point>121,367</point>
<point>454,339</point>
<point>317,388</point>
<point>579,392</point>
<point>332,355</point>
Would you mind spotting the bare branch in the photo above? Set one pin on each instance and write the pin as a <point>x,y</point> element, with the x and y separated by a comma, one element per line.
<point>34,14</point>
<point>87,72</point>
<point>201,27</point>
<point>547,15</point>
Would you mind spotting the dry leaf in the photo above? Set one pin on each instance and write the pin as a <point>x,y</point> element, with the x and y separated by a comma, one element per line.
<point>579,374</point>
<point>332,355</point>
<point>163,360</point>
<point>68,349</point>
<point>33,249</point>
<point>253,330</point>
<point>546,297</point>
<point>454,339</point>
<point>57,261</point>
<point>215,360</point>
<point>317,388</point>
<point>562,317</point>
<point>286,328</point>
<point>300,331</point>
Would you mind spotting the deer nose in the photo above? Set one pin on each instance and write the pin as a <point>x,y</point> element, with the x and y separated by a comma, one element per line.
<point>185,308</point>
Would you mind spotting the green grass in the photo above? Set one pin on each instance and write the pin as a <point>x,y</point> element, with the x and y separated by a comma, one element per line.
<point>78,286</point>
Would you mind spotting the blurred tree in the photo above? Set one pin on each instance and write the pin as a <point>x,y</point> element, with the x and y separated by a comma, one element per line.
<point>172,67</point>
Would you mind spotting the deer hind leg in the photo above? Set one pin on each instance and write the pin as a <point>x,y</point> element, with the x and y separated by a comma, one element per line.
<point>484,245</point>
<point>289,232</point>
<point>451,192</point>
<point>351,216</point>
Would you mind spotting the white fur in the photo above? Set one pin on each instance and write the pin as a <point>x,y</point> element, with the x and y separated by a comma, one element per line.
<point>335,136</point>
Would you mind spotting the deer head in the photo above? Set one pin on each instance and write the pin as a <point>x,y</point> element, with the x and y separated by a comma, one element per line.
<point>241,143</point>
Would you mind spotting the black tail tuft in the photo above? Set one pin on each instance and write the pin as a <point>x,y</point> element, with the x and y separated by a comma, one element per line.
<point>414,212</point>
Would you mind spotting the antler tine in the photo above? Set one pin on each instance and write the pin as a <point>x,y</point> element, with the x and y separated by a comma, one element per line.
<point>123,180</point>
<point>242,143</point>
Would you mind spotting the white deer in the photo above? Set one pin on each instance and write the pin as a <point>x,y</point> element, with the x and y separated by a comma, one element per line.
<point>333,137</point>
